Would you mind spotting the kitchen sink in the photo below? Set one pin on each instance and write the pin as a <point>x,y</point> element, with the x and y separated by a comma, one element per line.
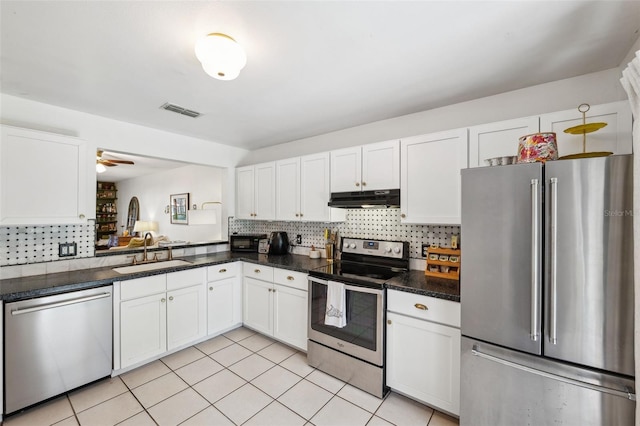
<point>150,266</point>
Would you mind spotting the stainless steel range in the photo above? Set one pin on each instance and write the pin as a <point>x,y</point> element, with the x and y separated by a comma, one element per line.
<point>347,312</point>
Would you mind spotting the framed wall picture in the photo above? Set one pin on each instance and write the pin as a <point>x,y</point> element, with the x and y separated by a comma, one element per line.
<point>179,205</point>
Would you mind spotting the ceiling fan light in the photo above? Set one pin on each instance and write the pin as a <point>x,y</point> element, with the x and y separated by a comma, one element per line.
<point>100,168</point>
<point>221,56</point>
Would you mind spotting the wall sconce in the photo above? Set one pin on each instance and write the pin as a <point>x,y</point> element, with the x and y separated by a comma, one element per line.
<point>167,209</point>
<point>203,216</point>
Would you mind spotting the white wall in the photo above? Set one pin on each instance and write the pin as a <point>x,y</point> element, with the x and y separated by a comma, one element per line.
<point>597,88</point>
<point>116,135</point>
<point>153,192</point>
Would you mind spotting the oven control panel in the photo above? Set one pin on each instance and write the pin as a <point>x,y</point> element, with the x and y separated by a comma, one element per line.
<point>392,249</point>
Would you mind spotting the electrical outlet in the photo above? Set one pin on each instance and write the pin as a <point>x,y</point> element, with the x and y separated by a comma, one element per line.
<point>67,249</point>
<point>298,239</point>
<point>424,250</point>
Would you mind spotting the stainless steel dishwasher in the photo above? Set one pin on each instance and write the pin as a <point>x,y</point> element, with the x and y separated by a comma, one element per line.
<point>56,343</point>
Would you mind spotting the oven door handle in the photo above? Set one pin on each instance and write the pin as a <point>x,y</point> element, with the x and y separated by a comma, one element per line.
<point>350,287</point>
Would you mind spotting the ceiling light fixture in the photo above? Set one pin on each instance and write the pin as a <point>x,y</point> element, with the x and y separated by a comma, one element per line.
<point>221,56</point>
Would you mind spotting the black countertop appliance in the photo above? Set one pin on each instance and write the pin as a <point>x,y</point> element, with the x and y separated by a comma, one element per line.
<point>279,243</point>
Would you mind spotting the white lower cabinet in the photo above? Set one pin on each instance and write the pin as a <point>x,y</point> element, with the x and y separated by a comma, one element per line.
<point>423,349</point>
<point>186,316</point>
<point>275,303</point>
<point>258,305</point>
<point>156,314</point>
<point>290,308</point>
<point>224,298</point>
<point>143,329</point>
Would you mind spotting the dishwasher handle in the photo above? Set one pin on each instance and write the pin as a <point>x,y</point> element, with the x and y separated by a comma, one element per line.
<point>59,304</point>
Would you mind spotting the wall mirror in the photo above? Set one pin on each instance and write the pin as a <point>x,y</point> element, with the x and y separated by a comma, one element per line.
<point>133,214</point>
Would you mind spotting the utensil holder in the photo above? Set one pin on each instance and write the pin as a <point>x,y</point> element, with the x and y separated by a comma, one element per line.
<point>329,251</point>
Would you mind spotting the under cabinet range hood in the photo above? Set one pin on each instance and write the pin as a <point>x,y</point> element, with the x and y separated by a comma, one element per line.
<point>365,199</point>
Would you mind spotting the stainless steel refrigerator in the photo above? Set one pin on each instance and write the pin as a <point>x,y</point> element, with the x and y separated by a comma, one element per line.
<point>547,294</point>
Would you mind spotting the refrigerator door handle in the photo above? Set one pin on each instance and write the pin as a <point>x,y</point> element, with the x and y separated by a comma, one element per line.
<point>628,395</point>
<point>535,264</point>
<point>553,246</point>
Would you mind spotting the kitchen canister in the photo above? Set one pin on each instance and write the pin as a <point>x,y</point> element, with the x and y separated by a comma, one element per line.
<point>537,147</point>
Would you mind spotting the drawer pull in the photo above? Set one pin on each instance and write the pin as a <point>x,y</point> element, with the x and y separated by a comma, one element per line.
<point>210,288</point>
<point>421,307</point>
<point>222,271</point>
<point>257,271</point>
<point>290,278</point>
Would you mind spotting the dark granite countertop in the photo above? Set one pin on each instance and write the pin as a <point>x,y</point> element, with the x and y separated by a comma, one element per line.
<point>416,282</point>
<point>13,289</point>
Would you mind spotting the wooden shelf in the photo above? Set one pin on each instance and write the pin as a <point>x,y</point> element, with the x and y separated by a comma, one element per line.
<point>106,196</point>
<point>454,267</point>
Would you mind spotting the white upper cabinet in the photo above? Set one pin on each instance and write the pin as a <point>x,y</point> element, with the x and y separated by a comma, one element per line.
<point>367,167</point>
<point>302,189</point>
<point>255,193</point>
<point>381,165</point>
<point>45,178</point>
<point>346,169</point>
<point>430,187</point>
<point>498,139</point>
<point>614,137</point>
<point>245,192</point>
<point>288,189</point>
<point>314,187</point>
<point>501,139</point>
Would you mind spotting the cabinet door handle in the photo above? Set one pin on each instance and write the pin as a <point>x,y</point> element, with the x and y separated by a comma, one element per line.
<point>364,183</point>
<point>357,183</point>
<point>163,300</point>
<point>222,271</point>
<point>290,278</point>
<point>257,271</point>
<point>210,288</point>
<point>270,290</point>
<point>297,215</point>
<point>402,215</point>
<point>301,215</point>
<point>170,297</point>
<point>388,321</point>
<point>81,216</point>
<point>421,307</point>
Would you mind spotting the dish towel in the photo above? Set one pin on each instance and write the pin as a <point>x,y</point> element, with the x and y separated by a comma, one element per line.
<point>336,313</point>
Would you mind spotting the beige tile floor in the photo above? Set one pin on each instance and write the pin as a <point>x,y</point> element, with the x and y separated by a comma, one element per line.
<point>239,378</point>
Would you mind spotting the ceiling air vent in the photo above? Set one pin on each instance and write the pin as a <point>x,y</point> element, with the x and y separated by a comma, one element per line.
<point>180,110</point>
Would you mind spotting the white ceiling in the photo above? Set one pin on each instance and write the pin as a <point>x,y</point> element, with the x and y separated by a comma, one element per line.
<point>143,166</point>
<point>313,67</point>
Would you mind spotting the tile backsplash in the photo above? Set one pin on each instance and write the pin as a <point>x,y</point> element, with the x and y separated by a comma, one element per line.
<point>380,224</point>
<point>21,245</point>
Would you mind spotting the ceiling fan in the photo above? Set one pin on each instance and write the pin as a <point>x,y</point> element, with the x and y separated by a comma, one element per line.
<point>102,162</point>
